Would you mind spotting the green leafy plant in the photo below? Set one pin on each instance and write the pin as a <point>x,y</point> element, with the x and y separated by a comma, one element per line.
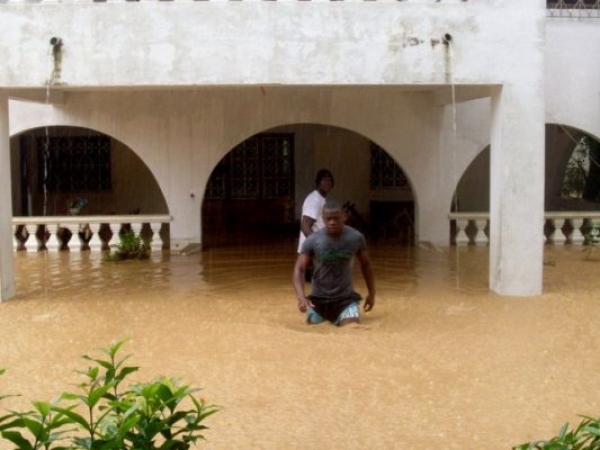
<point>102,415</point>
<point>130,246</point>
<point>591,238</point>
<point>585,436</point>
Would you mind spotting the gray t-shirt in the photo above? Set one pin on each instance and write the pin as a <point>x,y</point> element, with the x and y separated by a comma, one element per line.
<point>332,261</point>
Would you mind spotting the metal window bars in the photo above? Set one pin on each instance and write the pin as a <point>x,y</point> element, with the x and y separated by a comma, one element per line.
<point>579,9</point>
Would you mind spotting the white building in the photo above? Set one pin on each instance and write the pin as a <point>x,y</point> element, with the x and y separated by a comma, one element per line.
<point>177,85</point>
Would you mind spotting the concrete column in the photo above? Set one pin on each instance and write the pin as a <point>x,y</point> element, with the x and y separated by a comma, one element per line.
<point>7,276</point>
<point>517,189</point>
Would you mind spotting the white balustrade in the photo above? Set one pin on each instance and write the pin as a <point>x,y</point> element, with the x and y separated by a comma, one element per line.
<point>114,229</point>
<point>576,236</point>
<point>95,243</point>
<point>461,233</point>
<point>556,235</point>
<point>136,227</point>
<point>480,237</point>
<point>156,243</point>
<point>85,231</point>
<point>52,243</point>
<point>574,221</point>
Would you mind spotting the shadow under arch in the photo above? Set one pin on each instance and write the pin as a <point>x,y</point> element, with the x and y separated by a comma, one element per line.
<point>562,144</point>
<point>53,165</point>
<point>472,193</point>
<point>255,193</point>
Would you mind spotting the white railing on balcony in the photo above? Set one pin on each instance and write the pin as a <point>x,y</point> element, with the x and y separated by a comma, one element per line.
<point>580,9</point>
<point>561,227</point>
<point>86,232</point>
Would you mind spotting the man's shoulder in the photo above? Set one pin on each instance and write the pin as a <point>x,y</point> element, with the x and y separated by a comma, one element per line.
<point>315,196</point>
<point>350,231</point>
<point>352,235</point>
<point>312,200</point>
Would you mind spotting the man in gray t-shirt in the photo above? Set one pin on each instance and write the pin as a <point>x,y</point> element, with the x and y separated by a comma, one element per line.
<point>331,250</point>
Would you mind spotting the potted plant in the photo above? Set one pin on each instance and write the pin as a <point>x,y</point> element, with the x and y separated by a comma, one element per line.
<point>75,205</point>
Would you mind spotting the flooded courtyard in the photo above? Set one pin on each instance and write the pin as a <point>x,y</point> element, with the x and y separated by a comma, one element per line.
<point>440,362</point>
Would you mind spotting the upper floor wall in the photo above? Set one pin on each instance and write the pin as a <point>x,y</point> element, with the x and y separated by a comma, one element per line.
<point>170,44</point>
<point>572,81</point>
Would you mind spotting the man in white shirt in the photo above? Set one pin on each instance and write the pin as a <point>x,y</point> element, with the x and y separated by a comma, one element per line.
<point>312,208</point>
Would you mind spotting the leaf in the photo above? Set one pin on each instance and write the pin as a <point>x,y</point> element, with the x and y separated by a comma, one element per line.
<point>96,394</point>
<point>35,427</point>
<point>17,438</point>
<point>43,408</point>
<point>126,371</point>
<point>76,418</point>
<point>563,429</point>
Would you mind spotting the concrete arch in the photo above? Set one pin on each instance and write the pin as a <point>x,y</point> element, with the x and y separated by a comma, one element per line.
<point>561,143</point>
<point>472,191</point>
<point>133,188</point>
<point>345,152</point>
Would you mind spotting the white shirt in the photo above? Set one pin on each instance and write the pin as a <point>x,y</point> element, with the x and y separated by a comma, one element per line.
<point>313,208</point>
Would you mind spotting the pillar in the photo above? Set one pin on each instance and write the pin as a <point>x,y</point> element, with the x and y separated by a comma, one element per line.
<point>7,276</point>
<point>517,157</point>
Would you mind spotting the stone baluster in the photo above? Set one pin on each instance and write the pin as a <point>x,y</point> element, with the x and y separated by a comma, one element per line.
<point>114,229</point>
<point>40,237</point>
<point>576,237</point>
<point>51,242</point>
<point>21,235</point>
<point>556,234</point>
<point>461,237</point>
<point>83,232</point>
<point>95,242</point>
<point>156,243</point>
<point>136,227</point>
<point>62,244</point>
<point>480,237</point>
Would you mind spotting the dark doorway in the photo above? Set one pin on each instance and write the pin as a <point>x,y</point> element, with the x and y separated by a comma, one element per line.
<point>250,194</point>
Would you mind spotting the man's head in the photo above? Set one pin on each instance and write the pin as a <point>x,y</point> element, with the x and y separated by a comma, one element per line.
<point>333,217</point>
<point>324,182</point>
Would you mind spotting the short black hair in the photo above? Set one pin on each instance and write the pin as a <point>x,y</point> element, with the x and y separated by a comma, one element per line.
<point>324,173</point>
<point>332,203</point>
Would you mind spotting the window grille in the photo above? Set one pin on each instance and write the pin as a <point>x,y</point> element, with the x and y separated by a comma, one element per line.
<point>385,173</point>
<point>259,168</point>
<point>75,163</point>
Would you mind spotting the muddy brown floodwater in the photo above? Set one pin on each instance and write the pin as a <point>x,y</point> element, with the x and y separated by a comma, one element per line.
<point>441,362</point>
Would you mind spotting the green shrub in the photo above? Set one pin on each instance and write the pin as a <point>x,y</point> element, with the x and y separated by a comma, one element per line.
<point>586,436</point>
<point>591,238</point>
<point>102,415</point>
<point>130,246</point>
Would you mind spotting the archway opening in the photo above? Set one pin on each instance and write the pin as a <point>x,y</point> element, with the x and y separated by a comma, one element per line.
<point>572,176</point>
<point>255,193</point>
<point>58,166</point>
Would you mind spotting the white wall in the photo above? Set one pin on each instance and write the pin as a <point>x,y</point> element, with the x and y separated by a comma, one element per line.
<point>573,73</point>
<point>177,43</point>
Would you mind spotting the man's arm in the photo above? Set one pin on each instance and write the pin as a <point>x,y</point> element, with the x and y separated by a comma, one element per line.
<point>302,263</point>
<point>367,271</point>
<point>306,225</point>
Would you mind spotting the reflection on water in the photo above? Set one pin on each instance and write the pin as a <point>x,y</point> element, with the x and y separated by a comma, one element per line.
<point>399,268</point>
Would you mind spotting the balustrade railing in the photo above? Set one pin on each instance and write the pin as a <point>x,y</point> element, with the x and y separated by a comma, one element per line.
<point>54,233</point>
<point>580,9</point>
<point>561,227</point>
